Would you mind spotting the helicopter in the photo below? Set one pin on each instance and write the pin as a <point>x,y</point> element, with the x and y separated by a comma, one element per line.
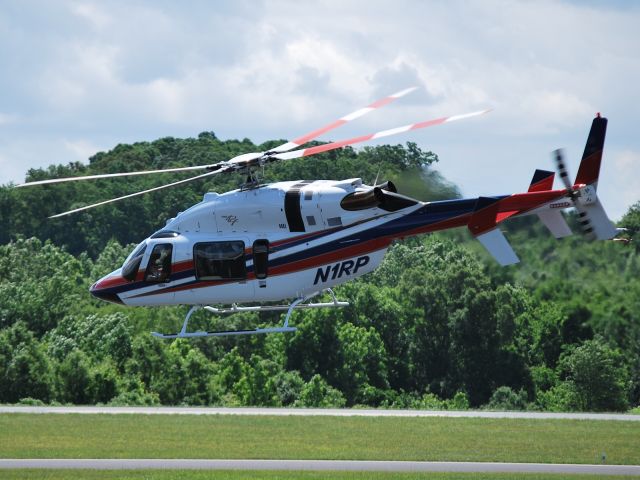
<point>291,241</point>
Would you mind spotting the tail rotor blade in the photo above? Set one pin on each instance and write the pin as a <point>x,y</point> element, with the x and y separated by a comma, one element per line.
<point>585,223</point>
<point>562,169</point>
<point>298,142</point>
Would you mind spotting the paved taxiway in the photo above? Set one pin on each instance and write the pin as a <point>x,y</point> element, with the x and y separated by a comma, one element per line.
<point>335,412</point>
<point>318,465</point>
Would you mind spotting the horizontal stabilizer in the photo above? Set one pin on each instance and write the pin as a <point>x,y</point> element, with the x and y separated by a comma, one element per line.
<point>498,246</point>
<point>542,180</point>
<point>555,222</point>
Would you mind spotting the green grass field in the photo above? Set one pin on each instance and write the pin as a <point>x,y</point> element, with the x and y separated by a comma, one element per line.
<point>336,438</point>
<point>259,475</point>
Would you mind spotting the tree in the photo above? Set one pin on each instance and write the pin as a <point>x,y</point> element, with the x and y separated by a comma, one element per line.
<point>631,221</point>
<point>74,379</point>
<point>197,371</point>
<point>376,307</point>
<point>364,363</point>
<point>25,370</point>
<point>504,398</point>
<point>39,284</point>
<point>315,347</point>
<point>318,394</point>
<point>595,374</point>
<point>288,385</point>
<point>104,382</point>
<point>98,336</point>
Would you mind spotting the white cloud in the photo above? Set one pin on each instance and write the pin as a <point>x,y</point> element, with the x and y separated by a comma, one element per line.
<point>92,13</point>
<point>80,150</point>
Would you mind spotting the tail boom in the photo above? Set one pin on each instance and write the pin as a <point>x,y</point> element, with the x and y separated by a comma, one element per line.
<point>547,204</point>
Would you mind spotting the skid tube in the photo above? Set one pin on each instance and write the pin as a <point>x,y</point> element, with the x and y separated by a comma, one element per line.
<point>296,304</point>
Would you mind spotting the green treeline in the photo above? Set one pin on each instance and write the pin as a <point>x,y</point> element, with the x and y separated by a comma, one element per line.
<point>438,325</point>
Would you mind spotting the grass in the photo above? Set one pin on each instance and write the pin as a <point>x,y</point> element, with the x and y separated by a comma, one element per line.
<point>335,438</point>
<point>273,475</point>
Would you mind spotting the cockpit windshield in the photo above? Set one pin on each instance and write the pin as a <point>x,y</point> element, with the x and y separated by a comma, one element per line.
<point>132,263</point>
<point>139,250</point>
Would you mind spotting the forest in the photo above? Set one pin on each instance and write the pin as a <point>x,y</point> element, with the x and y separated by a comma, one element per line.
<point>439,325</point>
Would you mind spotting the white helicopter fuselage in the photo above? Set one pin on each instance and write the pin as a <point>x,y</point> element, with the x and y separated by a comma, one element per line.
<point>309,240</point>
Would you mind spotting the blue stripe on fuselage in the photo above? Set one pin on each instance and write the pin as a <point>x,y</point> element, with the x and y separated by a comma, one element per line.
<point>428,214</point>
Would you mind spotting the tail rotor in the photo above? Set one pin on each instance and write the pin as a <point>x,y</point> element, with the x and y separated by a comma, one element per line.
<point>573,193</point>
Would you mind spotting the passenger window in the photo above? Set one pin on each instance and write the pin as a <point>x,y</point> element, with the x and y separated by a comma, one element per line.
<point>220,261</point>
<point>159,268</point>
<point>261,258</point>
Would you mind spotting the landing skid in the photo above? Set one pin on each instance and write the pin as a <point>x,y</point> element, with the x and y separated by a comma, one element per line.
<point>295,305</point>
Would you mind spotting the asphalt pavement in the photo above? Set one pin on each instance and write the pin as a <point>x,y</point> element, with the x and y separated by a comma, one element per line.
<point>318,465</point>
<point>335,412</point>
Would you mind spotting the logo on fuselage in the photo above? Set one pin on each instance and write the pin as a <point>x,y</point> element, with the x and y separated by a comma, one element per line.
<point>337,270</point>
<point>232,219</point>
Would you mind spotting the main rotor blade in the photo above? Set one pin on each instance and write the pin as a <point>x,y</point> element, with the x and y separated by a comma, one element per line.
<point>137,193</point>
<point>341,121</point>
<point>111,175</point>
<point>385,133</point>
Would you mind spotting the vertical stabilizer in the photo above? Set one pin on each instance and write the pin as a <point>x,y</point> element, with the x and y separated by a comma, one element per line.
<point>589,170</point>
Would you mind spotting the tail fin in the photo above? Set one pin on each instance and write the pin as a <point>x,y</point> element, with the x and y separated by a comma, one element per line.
<point>589,170</point>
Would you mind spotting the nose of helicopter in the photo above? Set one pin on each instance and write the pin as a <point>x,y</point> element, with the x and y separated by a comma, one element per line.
<point>104,288</point>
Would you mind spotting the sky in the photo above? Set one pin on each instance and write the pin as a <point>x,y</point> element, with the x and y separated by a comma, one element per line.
<point>78,77</point>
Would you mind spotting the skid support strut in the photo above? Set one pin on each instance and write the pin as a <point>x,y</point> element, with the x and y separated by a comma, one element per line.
<point>297,304</point>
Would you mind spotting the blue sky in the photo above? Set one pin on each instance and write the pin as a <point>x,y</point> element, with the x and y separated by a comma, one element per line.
<point>79,77</point>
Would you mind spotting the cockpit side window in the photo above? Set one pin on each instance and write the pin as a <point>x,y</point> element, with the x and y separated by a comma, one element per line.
<point>131,265</point>
<point>220,261</point>
<point>159,268</point>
